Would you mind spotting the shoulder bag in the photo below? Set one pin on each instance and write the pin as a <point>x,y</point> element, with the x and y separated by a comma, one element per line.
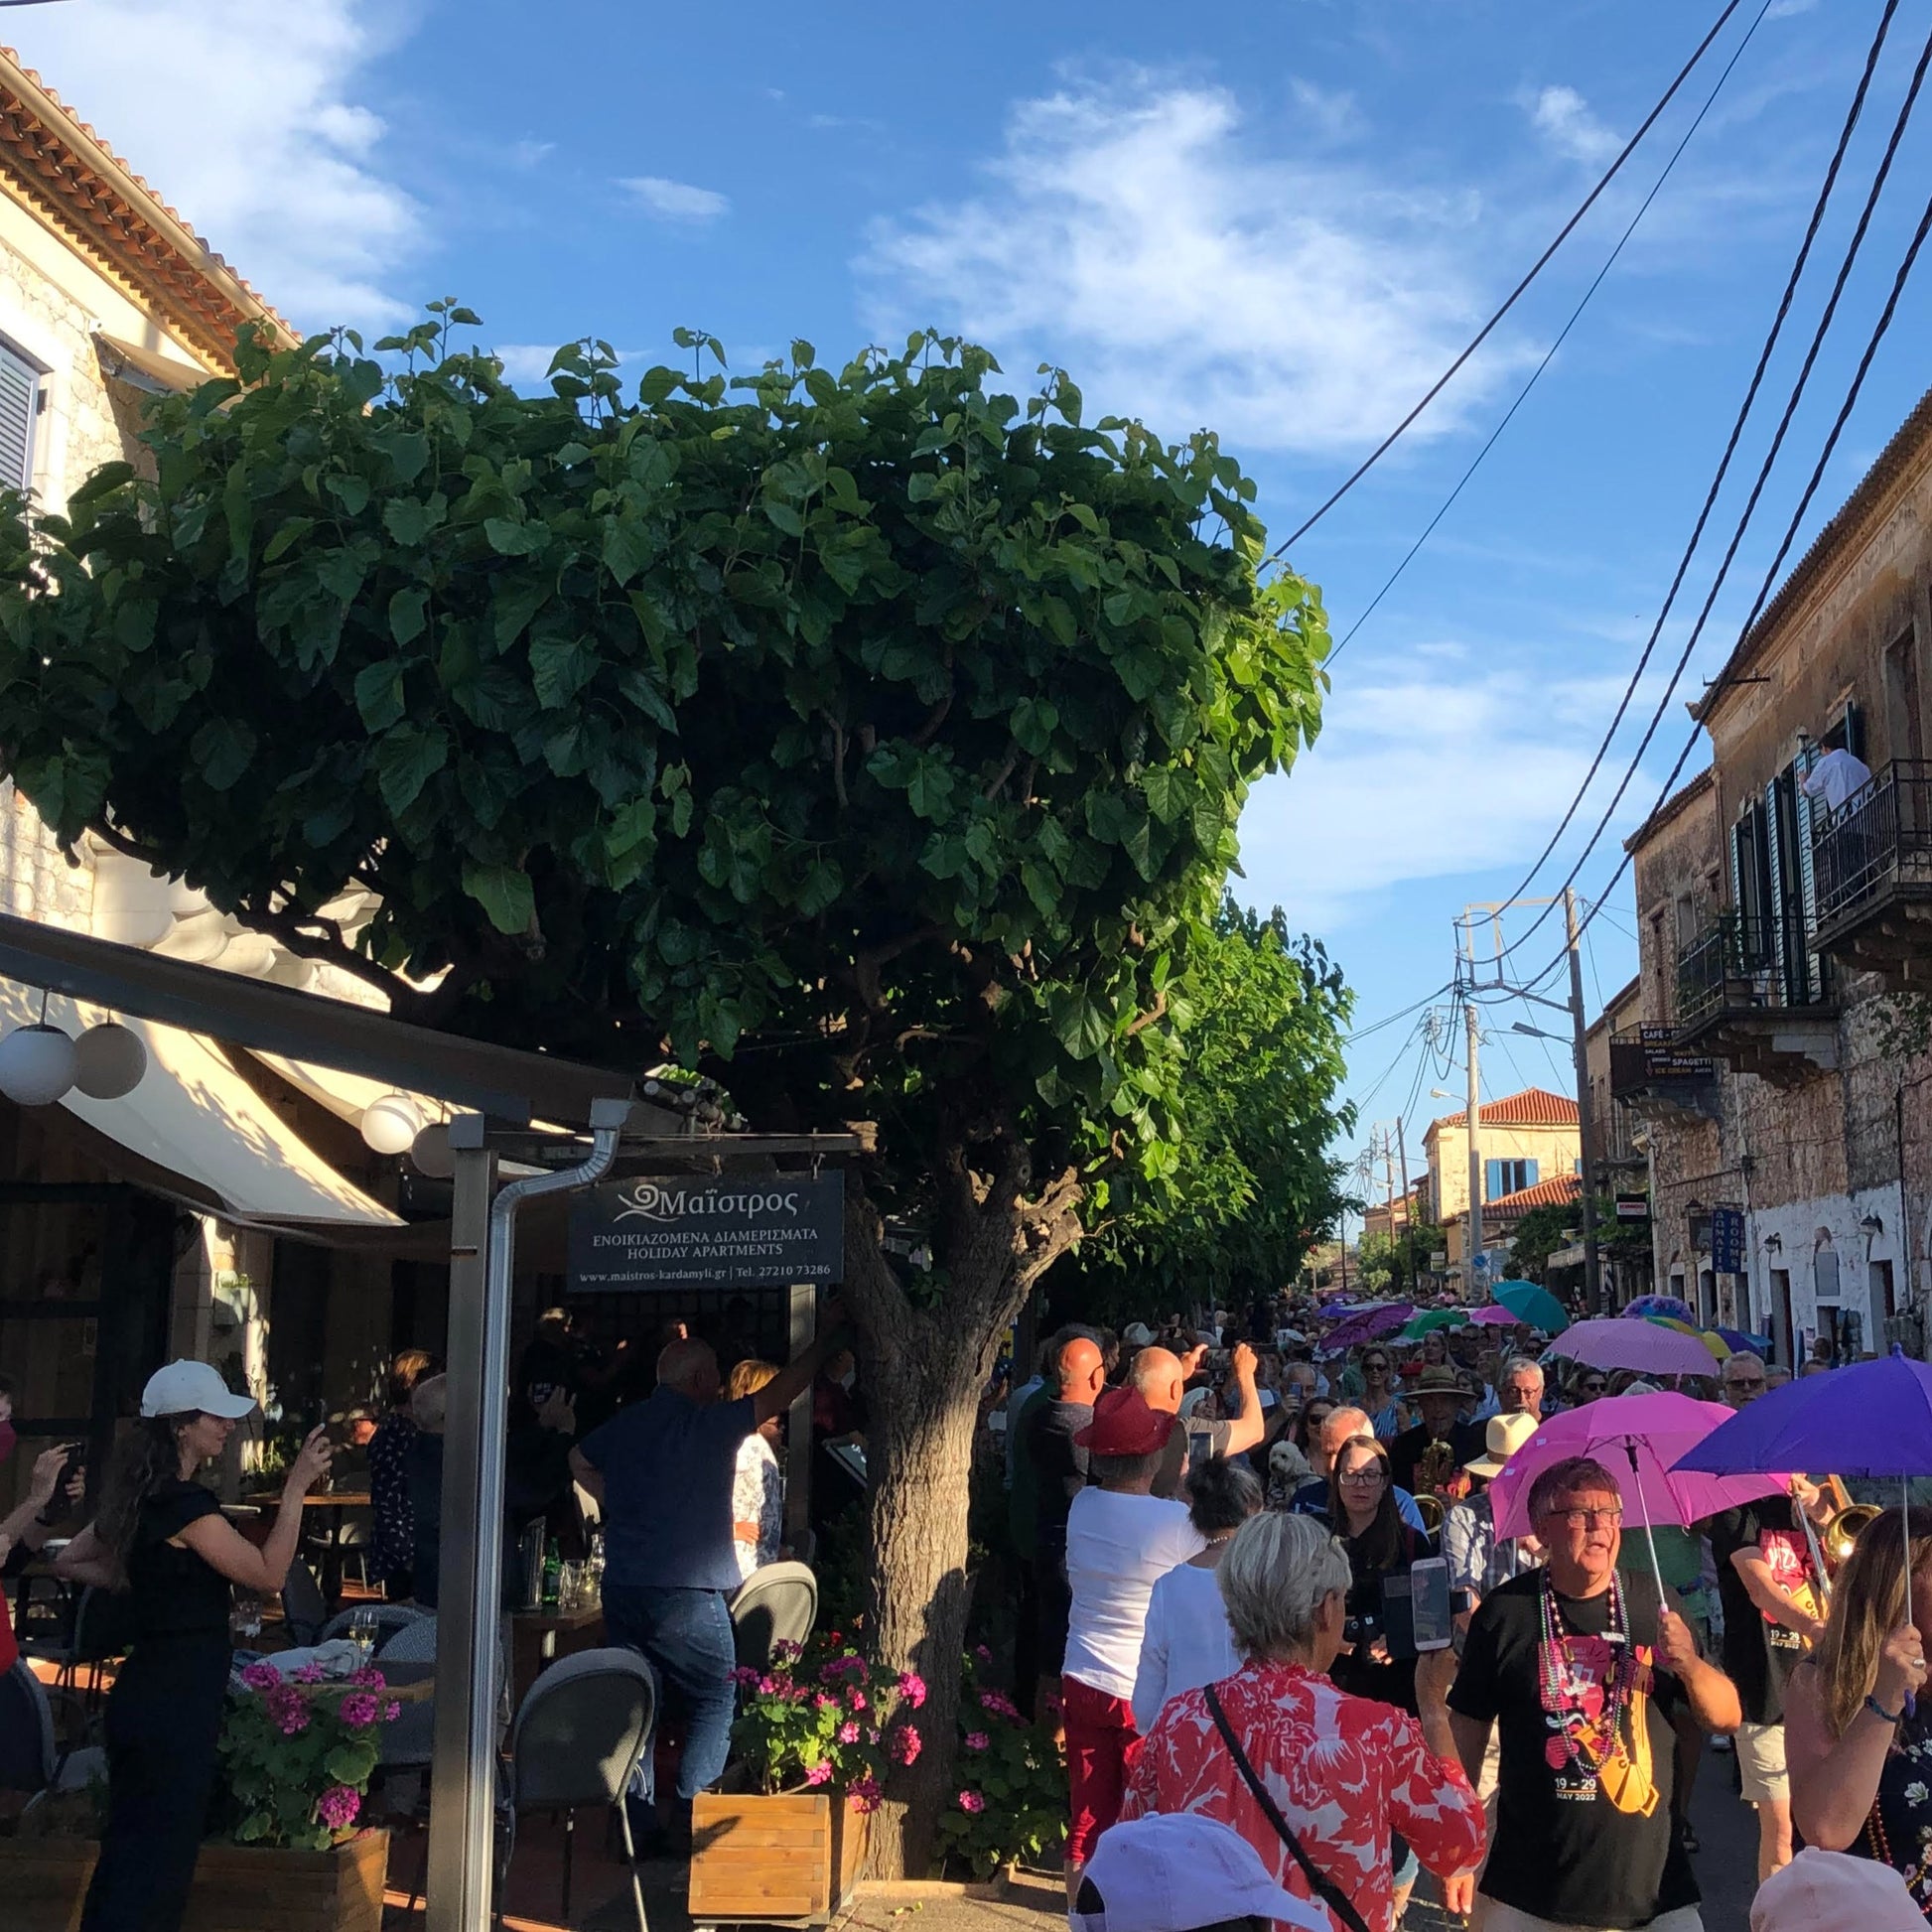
<point>1324,1888</point>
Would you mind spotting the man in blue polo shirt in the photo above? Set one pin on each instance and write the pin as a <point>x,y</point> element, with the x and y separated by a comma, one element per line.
<point>662,1469</point>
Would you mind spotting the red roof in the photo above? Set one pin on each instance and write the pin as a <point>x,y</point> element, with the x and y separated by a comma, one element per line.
<point>1554,1192</point>
<point>1533,1106</point>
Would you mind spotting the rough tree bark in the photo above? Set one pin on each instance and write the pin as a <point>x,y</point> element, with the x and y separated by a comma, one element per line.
<point>924,1368</point>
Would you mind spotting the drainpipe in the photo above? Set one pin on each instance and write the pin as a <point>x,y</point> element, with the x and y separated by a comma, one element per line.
<point>463,1779</point>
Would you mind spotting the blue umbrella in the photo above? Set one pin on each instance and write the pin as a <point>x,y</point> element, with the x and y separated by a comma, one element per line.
<point>1535,1305</point>
<point>1870,1419</point>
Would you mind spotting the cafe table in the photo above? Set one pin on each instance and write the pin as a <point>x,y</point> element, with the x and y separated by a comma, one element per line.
<point>538,1638</point>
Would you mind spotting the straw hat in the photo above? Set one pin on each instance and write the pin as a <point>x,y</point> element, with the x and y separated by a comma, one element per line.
<point>1504,1437</point>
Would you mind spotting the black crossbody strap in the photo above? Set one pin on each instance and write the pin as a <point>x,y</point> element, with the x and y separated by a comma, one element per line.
<point>1324,1888</point>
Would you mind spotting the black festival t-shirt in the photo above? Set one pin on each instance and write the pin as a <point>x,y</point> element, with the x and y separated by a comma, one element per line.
<point>1572,1844</point>
<point>1759,1655</point>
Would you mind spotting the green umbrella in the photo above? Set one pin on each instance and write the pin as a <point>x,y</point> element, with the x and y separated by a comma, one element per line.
<point>1431,1319</point>
<point>1528,1302</point>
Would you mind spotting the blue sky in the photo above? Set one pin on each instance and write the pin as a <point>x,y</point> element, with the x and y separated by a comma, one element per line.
<point>1282,221</point>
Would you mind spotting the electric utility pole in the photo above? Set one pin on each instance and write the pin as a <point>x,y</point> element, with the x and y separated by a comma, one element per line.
<point>1408,1206</point>
<point>1593,1297</point>
<point>1473,1035</point>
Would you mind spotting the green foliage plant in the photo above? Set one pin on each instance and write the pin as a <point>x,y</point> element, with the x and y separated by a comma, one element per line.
<point>297,1754</point>
<point>1009,1807</point>
<point>869,738</point>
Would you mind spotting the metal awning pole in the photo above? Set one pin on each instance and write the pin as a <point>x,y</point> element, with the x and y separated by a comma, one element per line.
<point>463,1772</point>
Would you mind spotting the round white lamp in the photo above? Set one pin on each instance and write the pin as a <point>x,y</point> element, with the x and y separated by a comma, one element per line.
<point>35,1065</point>
<point>109,1062</point>
<point>430,1155</point>
<point>390,1125</point>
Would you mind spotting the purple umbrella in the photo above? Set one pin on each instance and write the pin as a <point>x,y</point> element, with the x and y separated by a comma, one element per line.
<point>1370,1324</point>
<point>1612,1342</point>
<point>1492,1316</point>
<point>1672,1305</point>
<point>1870,1419</point>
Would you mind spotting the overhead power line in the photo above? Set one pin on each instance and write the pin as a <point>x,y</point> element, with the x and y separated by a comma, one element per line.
<point>1535,268</point>
<point>1522,395</point>
<point>1879,330</point>
<point>1798,387</point>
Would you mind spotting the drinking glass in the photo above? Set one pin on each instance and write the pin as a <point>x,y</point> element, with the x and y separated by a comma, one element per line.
<point>364,1630</point>
<point>244,1618</point>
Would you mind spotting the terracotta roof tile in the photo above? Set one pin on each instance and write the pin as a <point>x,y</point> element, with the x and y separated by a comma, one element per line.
<point>1533,1106</point>
<point>80,185</point>
<point>1552,1192</point>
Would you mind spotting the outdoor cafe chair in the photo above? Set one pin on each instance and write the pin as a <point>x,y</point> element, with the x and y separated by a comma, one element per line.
<point>31,1757</point>
<point>583,1727</point>
<point>303,1608</point>
<point>776,1605</point>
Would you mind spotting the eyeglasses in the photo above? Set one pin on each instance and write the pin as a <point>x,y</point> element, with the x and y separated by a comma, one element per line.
<point>1746,1382</point>
<point>1595,1388</point>
<point>1375,1369</point>
<point>1585,1519</point>
<point>1373,1473</point>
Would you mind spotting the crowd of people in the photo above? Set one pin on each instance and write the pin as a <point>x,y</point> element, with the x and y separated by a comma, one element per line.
<point>1221,1536</point>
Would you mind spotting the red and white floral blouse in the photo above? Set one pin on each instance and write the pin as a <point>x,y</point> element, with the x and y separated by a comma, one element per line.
<point>1346,1772</point>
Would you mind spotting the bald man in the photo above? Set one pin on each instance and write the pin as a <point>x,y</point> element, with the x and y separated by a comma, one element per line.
<point>1162,1378</point>
<point>662,1471</point>
<point>1056,1466</point>
<point>1312,1499</point>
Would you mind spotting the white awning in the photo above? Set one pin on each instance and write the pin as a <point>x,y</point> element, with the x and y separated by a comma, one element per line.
<point>193,1116</point>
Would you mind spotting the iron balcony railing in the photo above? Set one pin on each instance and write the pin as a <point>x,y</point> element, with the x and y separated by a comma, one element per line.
<point>1881,836</point>
<point>1742,964</point>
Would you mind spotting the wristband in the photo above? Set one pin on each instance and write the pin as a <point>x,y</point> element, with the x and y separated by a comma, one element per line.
<point>1877,1710</point>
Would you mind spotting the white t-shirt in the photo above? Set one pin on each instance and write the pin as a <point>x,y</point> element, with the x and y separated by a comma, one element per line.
<point>1188,1642</point>
<point>1117,1548</point>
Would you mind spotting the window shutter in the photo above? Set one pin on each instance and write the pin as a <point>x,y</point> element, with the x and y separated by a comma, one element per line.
<point>1529,1174</point>
<point>19,385</point>
<point>1807,874</point>
<point>1768,941</point>
<point>1492,1181</point>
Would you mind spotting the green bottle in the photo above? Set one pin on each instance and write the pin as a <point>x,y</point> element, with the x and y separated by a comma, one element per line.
<point>553,1571</point>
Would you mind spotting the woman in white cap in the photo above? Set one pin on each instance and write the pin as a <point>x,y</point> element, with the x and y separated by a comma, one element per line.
<point>161,1539</point>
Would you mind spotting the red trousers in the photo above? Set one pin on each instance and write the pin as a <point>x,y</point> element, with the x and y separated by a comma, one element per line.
<point>1101,1746</point>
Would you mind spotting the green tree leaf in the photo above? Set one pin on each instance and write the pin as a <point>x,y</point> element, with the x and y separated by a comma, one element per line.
<point>504,893</point>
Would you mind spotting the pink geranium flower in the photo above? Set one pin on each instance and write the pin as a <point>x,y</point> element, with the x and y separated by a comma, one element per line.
<point>977,1741</point>
<point>820,1773</point>
<point>337,1806</point>
<point>905,1744</point>
<point>912,1687</point>
<point>359,1710</point>
<point>262,1677</point>
<point>848,1732</point>
<point>972,1801</point>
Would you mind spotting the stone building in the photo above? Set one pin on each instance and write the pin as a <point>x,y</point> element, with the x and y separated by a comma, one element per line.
<point>1778,1067</point>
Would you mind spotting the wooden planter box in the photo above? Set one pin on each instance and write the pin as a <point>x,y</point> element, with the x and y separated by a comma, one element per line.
<point>246,1888</point>
<point>795,1856</point>
<point>45,1882</point>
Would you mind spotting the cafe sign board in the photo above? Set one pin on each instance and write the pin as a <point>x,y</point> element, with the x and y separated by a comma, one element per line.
<point>713,1231</point>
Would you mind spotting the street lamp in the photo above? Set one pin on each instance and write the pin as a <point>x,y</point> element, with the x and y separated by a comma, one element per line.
<point>1536,1033</point>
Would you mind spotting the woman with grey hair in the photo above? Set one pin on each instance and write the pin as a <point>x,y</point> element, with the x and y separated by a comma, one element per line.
<point>1187,1641</point>
<point>1277,1746</point>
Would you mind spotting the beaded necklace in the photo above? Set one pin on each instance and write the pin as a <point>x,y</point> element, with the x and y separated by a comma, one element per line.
<point>1573,1741</point>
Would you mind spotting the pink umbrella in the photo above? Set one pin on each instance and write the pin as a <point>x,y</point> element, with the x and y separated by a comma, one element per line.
<point>1491,1317</point>
<point>1643,1436</point>
<point>1612,1342</point>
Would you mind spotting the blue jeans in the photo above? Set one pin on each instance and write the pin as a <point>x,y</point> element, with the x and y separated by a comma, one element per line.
<point>687,1635</point>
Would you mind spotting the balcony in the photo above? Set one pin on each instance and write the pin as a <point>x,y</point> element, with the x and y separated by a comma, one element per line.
<point>1652,1075</point>
<point>1873,864</point>
<point>1754,994</point>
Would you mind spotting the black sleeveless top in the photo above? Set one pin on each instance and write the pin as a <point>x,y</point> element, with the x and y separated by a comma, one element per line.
<point>172,1592</point>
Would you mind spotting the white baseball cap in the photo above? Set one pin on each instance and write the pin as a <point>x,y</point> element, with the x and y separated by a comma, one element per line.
<point>1827,1892</point>
<point>182,1388</point>
<point>1137,1334</point>
<point>1173,1871</point>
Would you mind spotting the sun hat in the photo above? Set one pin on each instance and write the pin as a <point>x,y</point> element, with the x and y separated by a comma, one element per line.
<point>1124,1425</point>
<point>1137,1334</point>
<point>1829,1891</point>
<point>1176,1870</point>
<point>184,1387</point>
<point>1501,1438</point>
<point>1440,1380</point>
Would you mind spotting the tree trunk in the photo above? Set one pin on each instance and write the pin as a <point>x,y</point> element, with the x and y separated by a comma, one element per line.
<point>920,1452</point>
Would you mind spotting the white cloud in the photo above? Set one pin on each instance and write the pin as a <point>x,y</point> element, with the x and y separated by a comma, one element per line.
<point>675,200</point>
<point>1136,234</point>
<point>526,154</point>
<point>1331,113</point>
<point>1426,777</point>
<point>1561,115</point>
<point>247,124</point>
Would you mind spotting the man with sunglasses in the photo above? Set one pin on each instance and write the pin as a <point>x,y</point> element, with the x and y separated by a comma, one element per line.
<point>1579,1669</point>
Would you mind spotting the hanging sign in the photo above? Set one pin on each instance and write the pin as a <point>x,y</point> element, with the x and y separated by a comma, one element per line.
<point>1633,1207</point>
<point>679,1231</point>
<point>1727,1240</point>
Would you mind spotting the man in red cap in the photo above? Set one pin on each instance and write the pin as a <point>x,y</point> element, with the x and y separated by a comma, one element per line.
<point>1121,1537</point>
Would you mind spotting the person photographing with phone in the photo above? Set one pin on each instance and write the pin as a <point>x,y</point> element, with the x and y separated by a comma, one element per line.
<point>158,1539</point>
